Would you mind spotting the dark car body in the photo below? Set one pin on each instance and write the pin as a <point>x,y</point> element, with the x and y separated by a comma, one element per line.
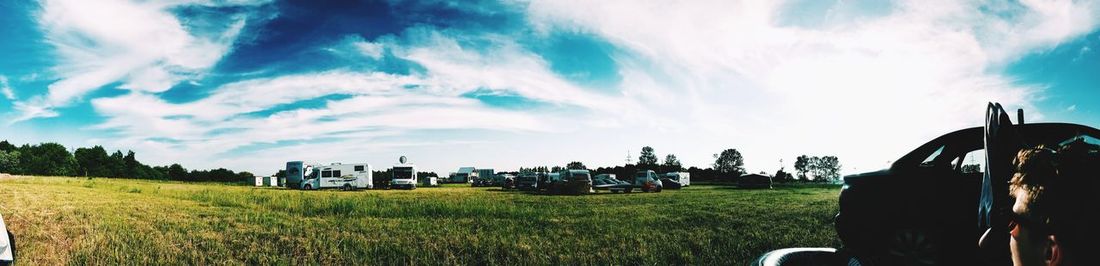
<point>924,209</point>
<point>528,181</point>
<point>573,182</point>
<point>610,183</point>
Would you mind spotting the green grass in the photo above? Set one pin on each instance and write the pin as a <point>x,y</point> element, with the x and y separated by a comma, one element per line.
<point>112,221</point>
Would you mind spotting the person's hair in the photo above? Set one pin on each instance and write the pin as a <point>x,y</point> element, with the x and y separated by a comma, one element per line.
<point>1060,187</point>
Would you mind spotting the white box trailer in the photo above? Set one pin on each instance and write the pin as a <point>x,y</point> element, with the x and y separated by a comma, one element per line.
<point>272,181</point>
<point>344,176</point>
<point>260,181</point>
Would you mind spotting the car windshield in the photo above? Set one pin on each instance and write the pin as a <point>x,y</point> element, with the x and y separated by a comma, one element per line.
<point>402,173</point>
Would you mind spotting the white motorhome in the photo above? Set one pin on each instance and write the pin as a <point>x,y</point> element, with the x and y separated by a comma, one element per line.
<point>404,175</point>
<point>336,175</point>
<point>684,178</point>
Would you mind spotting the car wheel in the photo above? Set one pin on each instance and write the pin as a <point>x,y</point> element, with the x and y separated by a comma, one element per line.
<point>912,247</point>
<point>347,187</point>
<point>308,187</point>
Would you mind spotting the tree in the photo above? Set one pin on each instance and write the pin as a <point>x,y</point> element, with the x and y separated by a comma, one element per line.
<point>672,164</point>
<point>972,168</point>
<point>801,166</point>
<point>177,172</point>
<point>828,169</point>
<point>648,157</point>
<point>782,176</point>
<point>821,169</point>
<point>576,165</point>
<point>92,161</point>
<point>729,162</point>
<point>130,165</point>
<point>6,146</point>
<point>47,159</point>
<point>116,164</point>
<point>9,162</point>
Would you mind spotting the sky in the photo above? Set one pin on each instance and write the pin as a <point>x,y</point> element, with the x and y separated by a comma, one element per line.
<point>250,85</point>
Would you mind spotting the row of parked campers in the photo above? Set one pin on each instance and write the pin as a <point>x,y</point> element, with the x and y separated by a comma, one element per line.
<point>351,176</point>
<point>582,182</point>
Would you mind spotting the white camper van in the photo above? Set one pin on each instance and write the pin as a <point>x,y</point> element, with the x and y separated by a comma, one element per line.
<point>336,175</point>
<point>684,178</point>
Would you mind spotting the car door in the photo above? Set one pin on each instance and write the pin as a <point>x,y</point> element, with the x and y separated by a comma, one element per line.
<point>1002,141</point>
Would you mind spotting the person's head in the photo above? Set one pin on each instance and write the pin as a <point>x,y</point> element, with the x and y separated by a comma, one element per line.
<point>1053,209</point>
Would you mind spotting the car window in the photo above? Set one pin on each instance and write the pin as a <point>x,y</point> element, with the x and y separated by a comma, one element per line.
<point>972,162</point>
<point>930,161</point>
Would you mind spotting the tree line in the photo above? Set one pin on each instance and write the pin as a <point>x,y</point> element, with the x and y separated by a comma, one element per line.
<point>728,166</point>
<point>53,159</point>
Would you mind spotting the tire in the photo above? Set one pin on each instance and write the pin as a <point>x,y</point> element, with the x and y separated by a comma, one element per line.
<point>412,187</point>
<point>307,187</point>
<point>347,187</point>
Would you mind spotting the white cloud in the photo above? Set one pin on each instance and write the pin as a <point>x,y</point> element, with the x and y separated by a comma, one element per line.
<point>866,90</point>
<point>1071,108</point>
<point>5,89</point>
<point>705,76</point>
<point>142,45</point>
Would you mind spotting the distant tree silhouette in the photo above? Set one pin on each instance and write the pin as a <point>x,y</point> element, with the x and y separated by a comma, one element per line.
<point>729,162</point>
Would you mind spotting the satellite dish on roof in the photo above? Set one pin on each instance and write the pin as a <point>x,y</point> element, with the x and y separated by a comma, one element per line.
<point>402,159</point>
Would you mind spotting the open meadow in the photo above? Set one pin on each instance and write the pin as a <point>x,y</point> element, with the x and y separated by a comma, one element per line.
<point>59,220</point>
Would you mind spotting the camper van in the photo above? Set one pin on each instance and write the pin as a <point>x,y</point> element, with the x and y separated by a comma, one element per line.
<point>404,176</point>
<point>336,175</point>
<point>675,180</point>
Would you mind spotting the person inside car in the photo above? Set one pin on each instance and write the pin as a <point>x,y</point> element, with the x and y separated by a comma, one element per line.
<point>1053,219</point>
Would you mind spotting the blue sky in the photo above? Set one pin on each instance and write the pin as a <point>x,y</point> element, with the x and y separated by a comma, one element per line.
<point>251,84</point>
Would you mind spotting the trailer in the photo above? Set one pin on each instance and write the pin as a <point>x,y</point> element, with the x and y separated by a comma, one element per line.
<point>335,175</point>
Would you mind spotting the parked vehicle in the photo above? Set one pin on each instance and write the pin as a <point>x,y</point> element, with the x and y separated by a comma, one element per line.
<point>676,180</point>
<point>336,175</point>
<point>546,181</point>
<point>508,181</point>
<point>574,182</point>
<point>7,244</point>
<point>528,181</point>
<point>754,181</point>
<point>610,183</point>
<point>404,177</point>
<point>429,181</point>
<point>648,181</point>
<point>887,219</point>
<point>480,181</point>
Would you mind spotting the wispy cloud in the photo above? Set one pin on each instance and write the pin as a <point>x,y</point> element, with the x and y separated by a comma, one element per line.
<point>706,75</point>
<point>142,45</point>
<point>5,89</point>
<point>1071,108</point>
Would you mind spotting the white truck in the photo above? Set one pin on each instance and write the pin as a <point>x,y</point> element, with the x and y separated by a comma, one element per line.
<point>404,174</point>
<point>343,176</point>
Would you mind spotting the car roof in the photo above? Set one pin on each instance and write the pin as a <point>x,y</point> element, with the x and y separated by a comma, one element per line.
<point>974,138</point>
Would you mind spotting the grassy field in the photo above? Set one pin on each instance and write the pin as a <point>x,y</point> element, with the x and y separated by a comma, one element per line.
<point>112,221</point>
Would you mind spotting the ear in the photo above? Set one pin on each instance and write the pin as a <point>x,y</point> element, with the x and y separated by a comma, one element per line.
<point>1054,252</point>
